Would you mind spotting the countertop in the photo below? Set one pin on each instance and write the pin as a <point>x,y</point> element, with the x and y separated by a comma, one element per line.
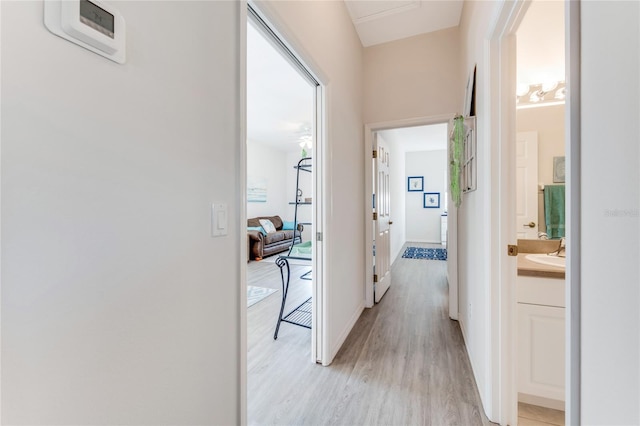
<point>533,269</point>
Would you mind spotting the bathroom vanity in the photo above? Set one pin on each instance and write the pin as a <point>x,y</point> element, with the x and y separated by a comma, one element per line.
<point>541,330</point>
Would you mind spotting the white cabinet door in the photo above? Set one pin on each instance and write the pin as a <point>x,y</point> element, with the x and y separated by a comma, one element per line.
<point>541,351</point>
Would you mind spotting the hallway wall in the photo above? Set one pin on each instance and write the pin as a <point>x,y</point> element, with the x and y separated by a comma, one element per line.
<point>474,221</point>
<point>610,213</point>
<point>413,77</point>
<point>118,307</point>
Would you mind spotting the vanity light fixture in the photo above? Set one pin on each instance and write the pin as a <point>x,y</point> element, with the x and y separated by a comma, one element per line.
<point>541,94</point>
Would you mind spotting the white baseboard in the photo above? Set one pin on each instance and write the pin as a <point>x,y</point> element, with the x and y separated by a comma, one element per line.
<point>486,405</point>
<point>425,241</point>
<point>345,332</point>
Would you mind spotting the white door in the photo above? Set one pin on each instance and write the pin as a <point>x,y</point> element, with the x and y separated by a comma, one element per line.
<point>381,210</point>
<point>527,184</point>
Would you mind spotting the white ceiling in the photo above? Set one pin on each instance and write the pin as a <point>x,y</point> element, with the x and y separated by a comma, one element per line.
<point>381,21</point>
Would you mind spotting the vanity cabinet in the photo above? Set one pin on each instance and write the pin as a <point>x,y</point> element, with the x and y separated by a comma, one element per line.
<point>541,341</point>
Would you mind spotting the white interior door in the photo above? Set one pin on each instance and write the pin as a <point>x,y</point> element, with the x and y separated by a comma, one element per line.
<point>527,184</point>
<point>382,229</point>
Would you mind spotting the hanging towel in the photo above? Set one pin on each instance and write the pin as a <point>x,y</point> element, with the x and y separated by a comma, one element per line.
<point>554,210</point>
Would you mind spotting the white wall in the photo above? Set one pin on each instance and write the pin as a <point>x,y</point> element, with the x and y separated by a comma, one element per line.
<point>270,164</point>
<point>305,183</point>
<point>398,183</point>
<point>322,32</point>
<point>422,224</point>
<point>117,305</point>
<point>610,326</point>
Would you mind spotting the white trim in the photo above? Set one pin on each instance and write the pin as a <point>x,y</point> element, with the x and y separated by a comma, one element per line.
<point>502,85</point>
<point>0,232</point>
<point>369,130</point>
<point>501,49</point>
<point>321,160</point>
<point>242,208</point>
<point>345,333</point>
<point>574,224</point>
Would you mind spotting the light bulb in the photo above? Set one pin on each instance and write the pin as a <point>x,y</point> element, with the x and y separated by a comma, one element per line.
<point>536,96</point>
<point>560,93</point>
<point>548,86</point>
<point>522,89</point>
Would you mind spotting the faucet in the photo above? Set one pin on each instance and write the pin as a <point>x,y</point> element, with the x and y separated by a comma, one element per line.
<point>562,248</point>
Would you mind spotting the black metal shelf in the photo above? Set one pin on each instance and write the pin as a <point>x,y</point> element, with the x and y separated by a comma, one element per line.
<point>302,314</point>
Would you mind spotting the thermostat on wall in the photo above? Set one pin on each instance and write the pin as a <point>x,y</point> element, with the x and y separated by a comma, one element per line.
<point>89,23</point>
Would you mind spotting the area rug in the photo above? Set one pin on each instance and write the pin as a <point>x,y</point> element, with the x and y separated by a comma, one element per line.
<point>425,253</point>
<point>256,294</point>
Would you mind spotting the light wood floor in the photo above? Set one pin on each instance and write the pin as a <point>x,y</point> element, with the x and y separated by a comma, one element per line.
<point>404,362</point>
<point>530,415</point>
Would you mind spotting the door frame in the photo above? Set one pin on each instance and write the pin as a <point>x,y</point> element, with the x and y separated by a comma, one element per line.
<point>369,132</point>
<point>321,182</point>
<point>502,108</point>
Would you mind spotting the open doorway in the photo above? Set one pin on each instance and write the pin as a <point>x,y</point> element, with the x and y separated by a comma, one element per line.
<point>541,339</point>
<point>418,208</point>
<point>540,214</point>
<point>283,209</point>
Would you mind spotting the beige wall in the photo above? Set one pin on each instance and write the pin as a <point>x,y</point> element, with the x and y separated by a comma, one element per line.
<point>414,77</point>
<point>322,32</point>
<point>474,218</point>
<point>549,123</point>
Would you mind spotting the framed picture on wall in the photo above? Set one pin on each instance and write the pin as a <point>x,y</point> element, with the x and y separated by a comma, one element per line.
<point>415,183</point>
<point>431,200</point>
<point>558,169</point>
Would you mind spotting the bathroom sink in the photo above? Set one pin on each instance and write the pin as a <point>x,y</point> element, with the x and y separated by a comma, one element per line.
<point>546,259</point>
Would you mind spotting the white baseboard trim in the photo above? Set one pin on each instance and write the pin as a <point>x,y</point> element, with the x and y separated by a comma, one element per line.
<point>425,241</point>
<point>485,404</point>
<point>345,332</point>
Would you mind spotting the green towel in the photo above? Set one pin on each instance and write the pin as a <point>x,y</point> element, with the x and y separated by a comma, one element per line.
<point>554,210</point>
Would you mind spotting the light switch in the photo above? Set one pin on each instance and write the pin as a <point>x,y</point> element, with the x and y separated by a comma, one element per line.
<point>218,219</point>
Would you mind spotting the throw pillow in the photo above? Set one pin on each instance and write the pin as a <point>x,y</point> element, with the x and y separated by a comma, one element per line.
<point>267,225</point>
<point>288,226</point>
<point>257,228</point>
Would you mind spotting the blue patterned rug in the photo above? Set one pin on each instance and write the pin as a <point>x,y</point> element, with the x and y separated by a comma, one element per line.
<point>425,253</point>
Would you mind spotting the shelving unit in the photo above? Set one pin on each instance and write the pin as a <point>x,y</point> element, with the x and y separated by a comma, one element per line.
<point>301,315</point>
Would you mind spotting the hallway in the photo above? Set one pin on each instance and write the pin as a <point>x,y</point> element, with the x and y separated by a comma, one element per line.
<point>404,363</point>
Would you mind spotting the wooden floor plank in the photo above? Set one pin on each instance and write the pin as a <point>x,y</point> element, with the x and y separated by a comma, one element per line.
<point>404,363</point>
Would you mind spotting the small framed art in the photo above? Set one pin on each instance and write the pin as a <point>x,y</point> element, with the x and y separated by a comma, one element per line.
<point>415,183</point>
<point>558,169</point>
<point>431,200</point>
